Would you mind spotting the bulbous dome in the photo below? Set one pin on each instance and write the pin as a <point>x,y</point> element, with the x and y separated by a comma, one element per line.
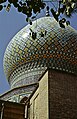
<point>54,47</point>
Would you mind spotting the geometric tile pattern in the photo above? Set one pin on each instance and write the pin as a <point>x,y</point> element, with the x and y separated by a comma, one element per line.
<point>16,95</point>
<point>56,50</point>
<point>21,76</point>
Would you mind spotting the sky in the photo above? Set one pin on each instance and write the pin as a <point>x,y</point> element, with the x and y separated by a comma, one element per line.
<point>10,23</point>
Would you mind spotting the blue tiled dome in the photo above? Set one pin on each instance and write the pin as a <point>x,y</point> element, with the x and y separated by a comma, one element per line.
<point>57,49</point>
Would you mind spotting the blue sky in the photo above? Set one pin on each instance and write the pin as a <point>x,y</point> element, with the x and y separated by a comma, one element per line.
<point>10,24</point>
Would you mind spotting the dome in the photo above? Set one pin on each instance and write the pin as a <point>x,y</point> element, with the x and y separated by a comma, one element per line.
<point>54,47</point>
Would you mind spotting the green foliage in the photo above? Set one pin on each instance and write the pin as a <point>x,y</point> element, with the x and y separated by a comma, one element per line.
<point>37,5</point>
<point>71,6</point>
<point>28,7</point>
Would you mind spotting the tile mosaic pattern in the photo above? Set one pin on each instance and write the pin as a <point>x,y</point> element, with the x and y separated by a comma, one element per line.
<point>21,76</point>
<point>18,93</point>
<point>56,50</point>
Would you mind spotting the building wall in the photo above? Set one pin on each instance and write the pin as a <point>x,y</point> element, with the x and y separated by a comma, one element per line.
<point>39,101</point>
<point>34,106</point>
<point>56,97</point>
<point>43,97</point>
<point>11,110</point>
<point>62,95</point>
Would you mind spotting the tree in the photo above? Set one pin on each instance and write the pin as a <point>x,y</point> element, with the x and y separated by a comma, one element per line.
<point>28,7</point>
<point>66,7</point>
<point>24,6</point>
